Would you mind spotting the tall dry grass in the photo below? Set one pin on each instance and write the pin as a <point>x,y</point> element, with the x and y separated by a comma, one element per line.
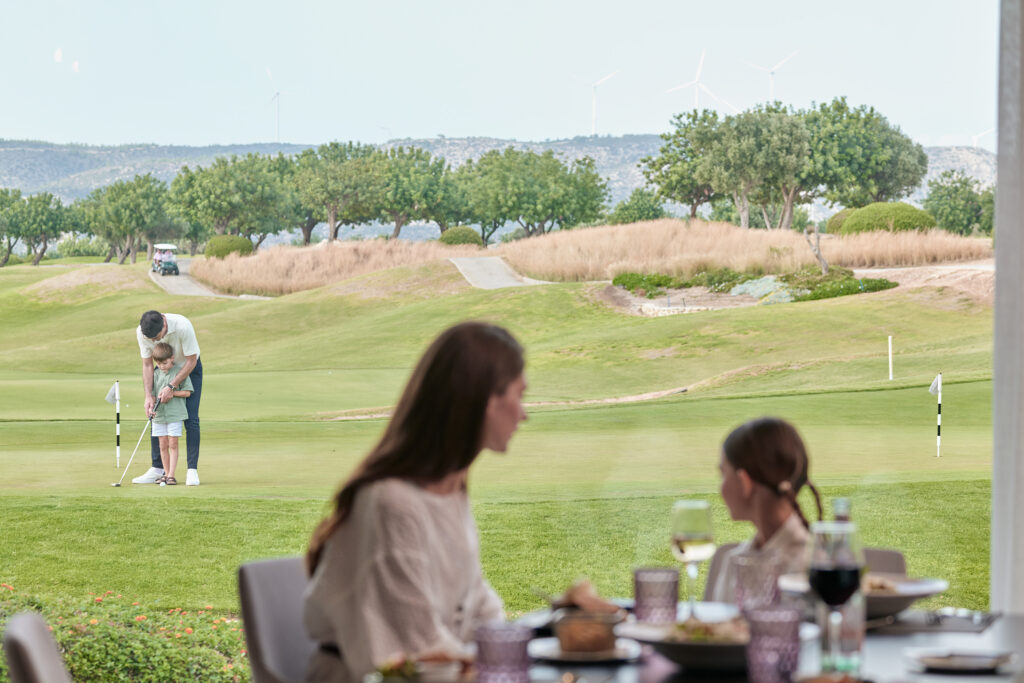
<point>676,247</point>
<point>284,270</point>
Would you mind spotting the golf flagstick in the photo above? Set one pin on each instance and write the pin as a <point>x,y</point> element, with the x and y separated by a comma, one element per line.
<point>936,390</point>
<point>114,397</point>
<point>126,467</point>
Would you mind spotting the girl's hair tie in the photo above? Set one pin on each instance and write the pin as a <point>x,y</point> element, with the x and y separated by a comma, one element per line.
<point>785,487</point>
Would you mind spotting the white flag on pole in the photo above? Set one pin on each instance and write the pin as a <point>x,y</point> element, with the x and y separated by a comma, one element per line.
<point>112,394</point>
<point>936,385</point>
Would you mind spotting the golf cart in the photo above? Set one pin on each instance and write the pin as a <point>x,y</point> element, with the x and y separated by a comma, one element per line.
<point>164,261</point>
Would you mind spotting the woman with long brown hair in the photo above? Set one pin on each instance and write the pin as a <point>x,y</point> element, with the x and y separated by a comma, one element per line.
<point>395,569</point>
<point>764,466</point>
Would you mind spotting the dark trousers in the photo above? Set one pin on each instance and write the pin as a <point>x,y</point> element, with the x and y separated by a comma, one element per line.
<point>191,424</point>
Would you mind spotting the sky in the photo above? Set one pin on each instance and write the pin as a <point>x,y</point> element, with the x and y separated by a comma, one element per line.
<point>200,72</point>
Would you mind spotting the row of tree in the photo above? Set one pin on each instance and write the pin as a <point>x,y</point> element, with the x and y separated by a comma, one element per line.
<point>773,158</point>
<point>338,184</point>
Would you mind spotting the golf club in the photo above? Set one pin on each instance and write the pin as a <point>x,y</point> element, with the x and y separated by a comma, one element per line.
<point>148,423</point>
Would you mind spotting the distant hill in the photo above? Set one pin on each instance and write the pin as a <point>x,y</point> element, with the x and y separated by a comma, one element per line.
<point>73,171</point>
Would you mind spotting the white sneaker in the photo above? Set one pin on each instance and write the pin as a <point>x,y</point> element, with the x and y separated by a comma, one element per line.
<point>150,476</point>
<point>192,478</point>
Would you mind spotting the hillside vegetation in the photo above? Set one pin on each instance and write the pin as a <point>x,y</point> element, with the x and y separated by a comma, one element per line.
<point>669,246</point>
<point>73,171</point>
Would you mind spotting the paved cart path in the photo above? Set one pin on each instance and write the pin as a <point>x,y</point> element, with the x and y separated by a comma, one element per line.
<point>491,272</point>
<point>184,285</point>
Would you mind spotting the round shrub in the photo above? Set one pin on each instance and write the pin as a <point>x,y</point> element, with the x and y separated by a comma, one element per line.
<point>835,223</point>
<point>220,246</point>
<point>461,234</point>
<point>893,217</point>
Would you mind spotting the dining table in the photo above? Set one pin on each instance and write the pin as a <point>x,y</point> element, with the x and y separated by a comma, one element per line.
<point>884,659</point>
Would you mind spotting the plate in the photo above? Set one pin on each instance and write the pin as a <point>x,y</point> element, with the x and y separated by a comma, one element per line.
<point>959,660</point>
<point>549,650</point>
<point>540,620</point>
<point>702,656</point>
<point>907,591</point>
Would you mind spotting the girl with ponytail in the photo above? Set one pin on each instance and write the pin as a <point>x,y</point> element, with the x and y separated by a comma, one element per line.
<point>764,467</point>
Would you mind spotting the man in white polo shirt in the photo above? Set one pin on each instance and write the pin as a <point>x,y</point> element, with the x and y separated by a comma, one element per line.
<point>177,331</point>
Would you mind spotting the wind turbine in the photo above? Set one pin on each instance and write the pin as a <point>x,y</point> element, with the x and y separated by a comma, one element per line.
<point>276,99</point>
<point>975,138</point>
<point>771,74</point>
<point>593,101</point>
<point>698,85</point>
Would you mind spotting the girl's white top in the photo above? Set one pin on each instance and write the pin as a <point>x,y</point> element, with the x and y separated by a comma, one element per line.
<point>401,576</point>
<point>789,542</point>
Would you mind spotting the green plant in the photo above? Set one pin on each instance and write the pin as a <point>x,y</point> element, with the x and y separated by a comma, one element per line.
<point>461,234</point>
<point>111,637</point>
<point>835,222</point>
<point>845,286</point>
<point>894,217</point>
<point>220,246</point>
<point>642,205</point>
<point>720,280</point>
<point>649,285</point>
<point>517,234</point>
<point>82,245</point>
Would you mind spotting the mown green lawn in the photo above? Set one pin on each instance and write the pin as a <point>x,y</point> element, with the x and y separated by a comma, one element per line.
<point>583,490</point>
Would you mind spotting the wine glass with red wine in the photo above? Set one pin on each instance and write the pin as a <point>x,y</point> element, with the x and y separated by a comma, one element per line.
<point>836,560</point>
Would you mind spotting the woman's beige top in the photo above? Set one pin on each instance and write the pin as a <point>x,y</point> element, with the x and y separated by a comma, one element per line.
<point>400,577</point>
<point>788,543</point>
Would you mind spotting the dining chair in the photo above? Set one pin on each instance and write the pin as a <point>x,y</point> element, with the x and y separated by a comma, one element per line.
<point>715,567</point>
<point>271,594</point>
<point>884,560</point>
<point>32,654</point>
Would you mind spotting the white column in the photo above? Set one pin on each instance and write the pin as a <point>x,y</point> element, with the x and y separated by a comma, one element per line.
<point>1007,553</point>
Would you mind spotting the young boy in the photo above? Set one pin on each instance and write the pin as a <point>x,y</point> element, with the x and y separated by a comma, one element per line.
<point>168,416</point>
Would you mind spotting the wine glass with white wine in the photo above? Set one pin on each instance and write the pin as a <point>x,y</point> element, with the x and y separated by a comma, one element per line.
<point>692,540</point>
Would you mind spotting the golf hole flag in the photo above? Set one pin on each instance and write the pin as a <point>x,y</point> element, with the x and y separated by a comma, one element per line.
<point>936,390</point>
<point>114,397</point>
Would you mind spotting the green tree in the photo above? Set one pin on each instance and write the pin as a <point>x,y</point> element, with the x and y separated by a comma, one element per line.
<point>453,206</point>
<point>128,212</point>
<point>342,181</point>
<point>411,186</point>
<point>185,202</point>
<point>783,161</point>
<point>862,158</point>
<point>10,228</point>
<point>42,220</point>
<point>295,213</point>
<point>674,170</point>
<point>988,210</point>
<point>484,182</point>
<point>265,201</point>
<point>586,198</point>
<point>733,160</point>
<point>642,205</point>
<point>955,202</point>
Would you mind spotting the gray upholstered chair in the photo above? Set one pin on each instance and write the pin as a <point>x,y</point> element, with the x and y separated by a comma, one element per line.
<point>881,560</point>
<point>271,595</point>
<point>32,654</point>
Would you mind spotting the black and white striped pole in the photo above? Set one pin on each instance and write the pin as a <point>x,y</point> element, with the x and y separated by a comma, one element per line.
<point>936,389</point>
<point>117,429</point>
<point>114,398</point>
